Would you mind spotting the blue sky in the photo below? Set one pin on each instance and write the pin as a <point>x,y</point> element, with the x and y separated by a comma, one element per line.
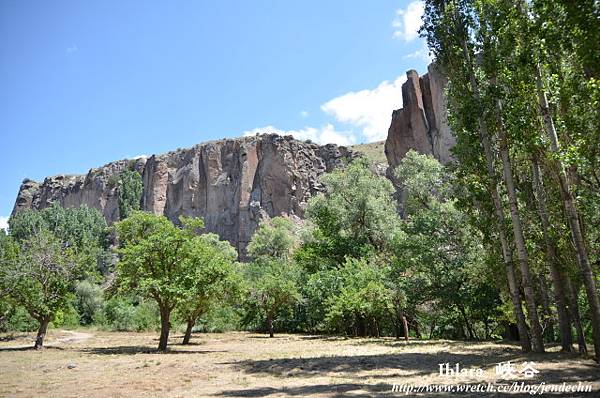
<point>88,82</point>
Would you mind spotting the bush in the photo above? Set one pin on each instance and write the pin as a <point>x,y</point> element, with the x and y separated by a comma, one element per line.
<point>127,314</point>
<point>220,319</point>
<point>19,320</point>
<point>89,301</point>
<point>66,317</point>
<point>146,317</point>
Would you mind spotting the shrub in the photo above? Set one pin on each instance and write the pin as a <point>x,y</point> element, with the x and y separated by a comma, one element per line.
<point>89,301</point>
<point>19,320</point>
<point>129,314</point>
<point>66,317</point>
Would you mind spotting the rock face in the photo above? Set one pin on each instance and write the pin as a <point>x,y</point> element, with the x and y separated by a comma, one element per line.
<point>421,124</point>
<point>231,183</point>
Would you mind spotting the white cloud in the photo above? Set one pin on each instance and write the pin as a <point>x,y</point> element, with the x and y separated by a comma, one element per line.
<point>324,135</point>
<point>407,22</point>
<point>304,114</point>
<point>140,157</point>
<point>72,49</point>
<point>3,222</point>
<point>422,54</point>
<point>370,110</point>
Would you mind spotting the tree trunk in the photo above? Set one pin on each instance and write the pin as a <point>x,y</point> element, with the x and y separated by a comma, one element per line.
<point>270,324</point>
<point>573,219</point>
<point>471,334</point>
<point>405,327</point>
<point>574,312</point>
<point>188,331</point>
<point>432,329</point>
<point>537,338</point>
<point>39,340</point>
<point>498,211</point>
<point>417,330</point>
<point>165,325</point>
<point>566,335</point>
<point>548,314</point>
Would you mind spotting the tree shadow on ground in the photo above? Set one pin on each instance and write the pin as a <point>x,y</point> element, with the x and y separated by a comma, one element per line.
<point>325,337</point>
<point>12,337</point>
<point>366,391</point>
<point>134,350</point>
<point>30,348</point>
<point>178,340</point>
<point>393,368</point>
<point>334,390</point>
<point>414,363</point>
<point>190,344</point>
<point>393,342</point>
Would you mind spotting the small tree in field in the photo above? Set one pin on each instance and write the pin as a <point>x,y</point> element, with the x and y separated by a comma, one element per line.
<point>273,288</point>
<point>214,279</point>
<point>166,263</point>
<point>273,277</point>
<point>38,274</point>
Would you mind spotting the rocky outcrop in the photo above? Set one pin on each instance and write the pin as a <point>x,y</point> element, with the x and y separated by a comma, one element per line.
<point>231,183</point>
<point>421,124</point>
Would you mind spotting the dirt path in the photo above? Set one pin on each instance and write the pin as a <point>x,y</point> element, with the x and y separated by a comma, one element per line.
<point>70,338</point>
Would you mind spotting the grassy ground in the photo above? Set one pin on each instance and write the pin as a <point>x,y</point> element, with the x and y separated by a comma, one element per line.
<point>109,364</point>
<point>374,151</point>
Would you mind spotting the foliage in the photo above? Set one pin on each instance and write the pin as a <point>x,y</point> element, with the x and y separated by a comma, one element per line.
<point>79,227</point>
<point>130,189</point>
<point>276,237</point>
<point>355,217</point>
<point>38,274</point>
<point>82,230</point>
<point>273,290</point>
<point>170,265</point>
<point>89,301</point>
<point>216,281</point>
<point>363,303</point>
<point>129,314</point>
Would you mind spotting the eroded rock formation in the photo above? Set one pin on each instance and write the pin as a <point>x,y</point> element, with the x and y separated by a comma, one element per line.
<point>233,183</point>
<point>230,183</point>
<point>421,124</point>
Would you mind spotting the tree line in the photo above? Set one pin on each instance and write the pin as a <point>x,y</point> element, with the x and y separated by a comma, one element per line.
<point>502,243</point>
<point>523,102</point>
<point>353,267</point>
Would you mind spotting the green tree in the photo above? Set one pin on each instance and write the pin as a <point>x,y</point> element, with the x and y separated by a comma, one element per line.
<point>356,216</point>
<point>158,261</point>
<point>273,277</point>
<point>38,274</point>
<point>363,302</point>
<point>439,248</point>
<point>277,237</point>
<point>130,189</point>
<point>530,94</point>
<point>215,280</point>
<point>89,301</point>
<point>82,229</point>
<point>453,35</point>
<point>273,288</point>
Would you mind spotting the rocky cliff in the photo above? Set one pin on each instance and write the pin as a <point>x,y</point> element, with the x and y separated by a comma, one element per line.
<point>231,183</point>
<point>421,124</point>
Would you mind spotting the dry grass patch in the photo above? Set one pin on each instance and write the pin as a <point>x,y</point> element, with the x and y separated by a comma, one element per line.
<point>250,365</point>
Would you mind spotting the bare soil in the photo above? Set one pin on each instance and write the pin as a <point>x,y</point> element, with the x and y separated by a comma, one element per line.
<point>110,364</point>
